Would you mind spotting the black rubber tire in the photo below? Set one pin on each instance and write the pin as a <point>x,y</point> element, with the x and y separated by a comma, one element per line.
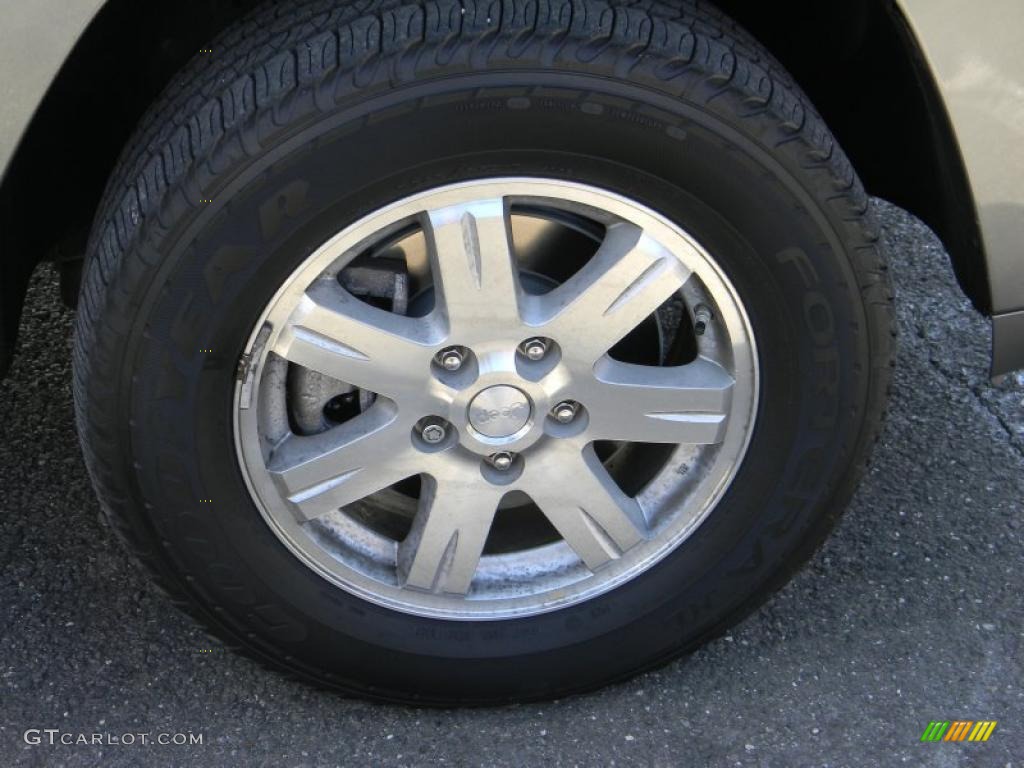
<point>309,114</point>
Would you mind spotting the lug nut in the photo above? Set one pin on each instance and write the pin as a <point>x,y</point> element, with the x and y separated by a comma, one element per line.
<point>565,411</point>
<point>534,349</point>
<point>434,433</point>
<point>501,461</point>
<point>451,359</point>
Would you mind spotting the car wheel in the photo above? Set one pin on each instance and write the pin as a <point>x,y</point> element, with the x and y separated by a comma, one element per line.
<point>468,352</point>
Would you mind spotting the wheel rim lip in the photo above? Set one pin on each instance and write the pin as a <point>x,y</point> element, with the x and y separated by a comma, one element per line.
<point>304,545</point>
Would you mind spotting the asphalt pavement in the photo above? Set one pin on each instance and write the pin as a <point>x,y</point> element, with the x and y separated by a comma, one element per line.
<point>912,612</point>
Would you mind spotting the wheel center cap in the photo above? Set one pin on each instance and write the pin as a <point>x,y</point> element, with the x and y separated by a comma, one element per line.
<point>499,411</point>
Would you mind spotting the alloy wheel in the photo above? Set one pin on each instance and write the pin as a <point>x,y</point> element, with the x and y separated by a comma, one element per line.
<point>399,428</point>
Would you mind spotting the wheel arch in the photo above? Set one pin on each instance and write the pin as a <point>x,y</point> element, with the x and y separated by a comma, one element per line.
<point>859,63</point>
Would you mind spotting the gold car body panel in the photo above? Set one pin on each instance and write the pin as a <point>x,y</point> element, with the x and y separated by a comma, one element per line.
<point>36,37</point>
<point>976,54</point>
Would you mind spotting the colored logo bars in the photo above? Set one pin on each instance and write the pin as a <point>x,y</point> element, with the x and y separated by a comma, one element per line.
<point>958,730</point>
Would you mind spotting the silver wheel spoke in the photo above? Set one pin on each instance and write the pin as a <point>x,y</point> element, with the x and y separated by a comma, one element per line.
<point>321,473</point>
<point>334,333</point>
<point>648,404</point>
<point>582,501</point>
<point>471,251</point>
<point>629,277</point>
<point>443,548</point>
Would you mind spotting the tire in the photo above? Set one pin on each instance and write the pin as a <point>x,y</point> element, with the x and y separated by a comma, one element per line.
<point>310,116</point>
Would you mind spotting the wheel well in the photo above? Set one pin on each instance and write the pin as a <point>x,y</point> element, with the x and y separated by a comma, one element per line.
<point>864,70</point>
<point>125,57</point>
<point>858,62</point>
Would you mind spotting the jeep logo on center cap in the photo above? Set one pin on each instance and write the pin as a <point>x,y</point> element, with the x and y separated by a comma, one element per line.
<point>499,411</point>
